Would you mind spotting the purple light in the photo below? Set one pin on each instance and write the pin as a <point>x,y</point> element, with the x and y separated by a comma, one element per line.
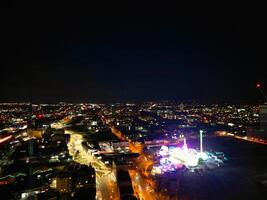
<point>176,157</point>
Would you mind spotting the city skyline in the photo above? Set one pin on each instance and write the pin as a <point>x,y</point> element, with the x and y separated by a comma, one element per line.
<point>133,102</point>
<point>142,151</point>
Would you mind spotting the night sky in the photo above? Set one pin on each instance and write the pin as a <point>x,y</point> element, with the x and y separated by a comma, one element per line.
<point>86,54</point>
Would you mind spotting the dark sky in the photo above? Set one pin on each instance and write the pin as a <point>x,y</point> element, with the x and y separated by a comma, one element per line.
<point>88,54</point>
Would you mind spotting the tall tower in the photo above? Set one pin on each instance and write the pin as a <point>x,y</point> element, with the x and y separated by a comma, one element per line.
<point>200,138</point>
<point>185,145</point>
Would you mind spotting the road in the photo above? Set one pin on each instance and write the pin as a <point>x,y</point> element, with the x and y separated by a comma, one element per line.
<point>144,186</point>
<point>246,138</point>
<point>106,183</point>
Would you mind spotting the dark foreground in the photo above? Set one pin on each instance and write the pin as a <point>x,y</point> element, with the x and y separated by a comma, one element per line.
<point>243,176</point>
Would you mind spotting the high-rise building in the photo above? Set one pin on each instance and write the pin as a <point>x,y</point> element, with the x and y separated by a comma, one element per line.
<point>263,118</point>
<point>261,131</point>
<point>32,146</point>
<point>62,183</point>
<point>181,107</point>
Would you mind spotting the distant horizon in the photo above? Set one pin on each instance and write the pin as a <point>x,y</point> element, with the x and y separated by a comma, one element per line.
<point>136,102</point>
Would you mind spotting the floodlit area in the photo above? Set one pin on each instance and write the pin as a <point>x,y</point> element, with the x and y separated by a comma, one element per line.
<point>170,159</point>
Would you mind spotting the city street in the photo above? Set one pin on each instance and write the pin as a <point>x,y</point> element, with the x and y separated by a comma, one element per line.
<point>143,185</point>
<point>106,184</point>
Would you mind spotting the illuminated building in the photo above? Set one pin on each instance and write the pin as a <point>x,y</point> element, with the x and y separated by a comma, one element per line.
<point>62,183</point>
<point>35,132</point>
<point>84,177</point>
<point>32,147</point>
<point>263,112</point>
<point>261,131</point>
<point>263,118</point>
